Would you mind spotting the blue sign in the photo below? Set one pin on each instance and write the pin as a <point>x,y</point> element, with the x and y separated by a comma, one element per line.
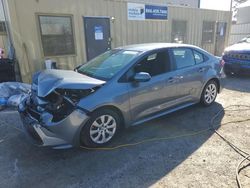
<point>156,12</point>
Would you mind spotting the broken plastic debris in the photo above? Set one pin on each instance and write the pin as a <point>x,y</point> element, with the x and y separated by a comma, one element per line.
<point>12,93</point>
<point>15,100</point>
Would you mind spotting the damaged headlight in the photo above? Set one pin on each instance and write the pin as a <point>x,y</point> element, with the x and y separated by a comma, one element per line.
<point>62,102</point>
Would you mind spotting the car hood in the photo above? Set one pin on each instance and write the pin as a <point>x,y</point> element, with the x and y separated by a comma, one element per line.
<point>243,47</point>
<point>49,80</point>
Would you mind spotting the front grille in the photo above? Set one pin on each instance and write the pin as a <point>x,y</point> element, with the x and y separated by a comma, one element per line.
<point>238,56</point>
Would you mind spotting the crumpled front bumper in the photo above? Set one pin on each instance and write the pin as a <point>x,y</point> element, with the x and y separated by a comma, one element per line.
<point>44,132</point>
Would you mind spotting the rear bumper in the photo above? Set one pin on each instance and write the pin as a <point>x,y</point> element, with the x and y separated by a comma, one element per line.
<point>63,134</point>
<point>239,66</point>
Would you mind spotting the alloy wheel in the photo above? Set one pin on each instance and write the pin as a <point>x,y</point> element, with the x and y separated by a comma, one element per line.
<point>103,129</point>
<point>210,93</point>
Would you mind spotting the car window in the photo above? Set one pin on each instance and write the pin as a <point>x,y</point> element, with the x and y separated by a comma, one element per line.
<point>183,57</point>
<point>106,65</point>
<point>199,57</point>
<point>154,64</point>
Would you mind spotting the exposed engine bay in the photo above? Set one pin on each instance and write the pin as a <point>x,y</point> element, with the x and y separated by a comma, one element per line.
<point>51,93</point>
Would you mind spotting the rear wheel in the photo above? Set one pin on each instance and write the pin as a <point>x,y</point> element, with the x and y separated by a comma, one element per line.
<point>209,93</point>
<point>101,128</point>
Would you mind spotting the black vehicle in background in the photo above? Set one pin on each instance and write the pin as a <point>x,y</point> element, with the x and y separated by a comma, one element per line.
<point>7,70</point>
<point>237,58</point>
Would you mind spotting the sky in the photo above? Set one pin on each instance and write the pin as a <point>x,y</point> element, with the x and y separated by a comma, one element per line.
<point>215,4</point>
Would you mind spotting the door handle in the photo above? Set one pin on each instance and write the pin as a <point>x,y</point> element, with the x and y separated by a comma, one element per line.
<point>174,79</point>
<point>202,69</point>
<point>171,80</point>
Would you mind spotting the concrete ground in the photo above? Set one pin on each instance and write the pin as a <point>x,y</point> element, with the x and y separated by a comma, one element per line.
<point>202,160</point>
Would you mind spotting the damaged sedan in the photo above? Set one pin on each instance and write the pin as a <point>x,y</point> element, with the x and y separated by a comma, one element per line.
<point>120,88</point>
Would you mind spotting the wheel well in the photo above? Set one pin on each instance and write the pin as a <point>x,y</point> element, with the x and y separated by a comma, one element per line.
<point>115,109</point>
<point>217,82</point>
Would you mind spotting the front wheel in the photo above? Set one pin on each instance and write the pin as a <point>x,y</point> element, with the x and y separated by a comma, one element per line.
<point>209,93</point>
<point>101,128</point>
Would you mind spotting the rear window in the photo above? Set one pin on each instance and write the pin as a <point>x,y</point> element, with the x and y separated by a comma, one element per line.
<point>199,57</point>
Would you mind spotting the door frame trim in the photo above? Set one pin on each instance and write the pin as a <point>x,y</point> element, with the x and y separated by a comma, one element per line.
<point>96,17</point>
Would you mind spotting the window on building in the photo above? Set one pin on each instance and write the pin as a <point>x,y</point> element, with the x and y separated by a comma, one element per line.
<point>208,32</point>
<point>179,30</point>
<point>2,28</point>
<point>183,57</point>
<point>56,35</point>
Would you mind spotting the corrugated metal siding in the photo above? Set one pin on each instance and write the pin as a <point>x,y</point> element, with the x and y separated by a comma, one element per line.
<point>238,32</point>
<point>123,31</point>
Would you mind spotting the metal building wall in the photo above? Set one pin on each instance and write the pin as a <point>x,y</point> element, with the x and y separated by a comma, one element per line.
<point>242,28</point>
<point>27,42</point>
<point>238,32</point>
<point>189,3</point>
<point>195,18</point>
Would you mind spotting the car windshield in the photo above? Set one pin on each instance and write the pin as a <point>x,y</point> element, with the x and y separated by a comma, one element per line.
<point>246,39</point>
<point>106,65</point>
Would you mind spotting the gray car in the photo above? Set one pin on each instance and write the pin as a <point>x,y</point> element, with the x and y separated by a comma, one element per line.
<point>123,87</point>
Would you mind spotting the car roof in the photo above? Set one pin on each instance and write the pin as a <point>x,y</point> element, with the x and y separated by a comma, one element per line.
<point>153,46</point>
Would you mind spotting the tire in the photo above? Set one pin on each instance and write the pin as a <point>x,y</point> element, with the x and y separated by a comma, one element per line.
<point>102,127</point>
<point>209,93</point>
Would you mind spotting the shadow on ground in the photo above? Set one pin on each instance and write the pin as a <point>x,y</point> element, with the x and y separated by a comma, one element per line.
<point>24,165</point>
<point>238,83</point>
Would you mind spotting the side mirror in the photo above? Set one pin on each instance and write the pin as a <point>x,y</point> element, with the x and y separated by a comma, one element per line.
<point>142,77</point>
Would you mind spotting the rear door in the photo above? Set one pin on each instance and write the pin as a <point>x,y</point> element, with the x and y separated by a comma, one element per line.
<point>190,72</point>
<point>149,98</point>
<point>97,36</point>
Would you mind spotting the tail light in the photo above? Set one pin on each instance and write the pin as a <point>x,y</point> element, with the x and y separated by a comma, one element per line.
<point>222,63</point>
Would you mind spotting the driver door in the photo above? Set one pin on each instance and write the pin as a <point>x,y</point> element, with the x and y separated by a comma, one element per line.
<point>155,95</point>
